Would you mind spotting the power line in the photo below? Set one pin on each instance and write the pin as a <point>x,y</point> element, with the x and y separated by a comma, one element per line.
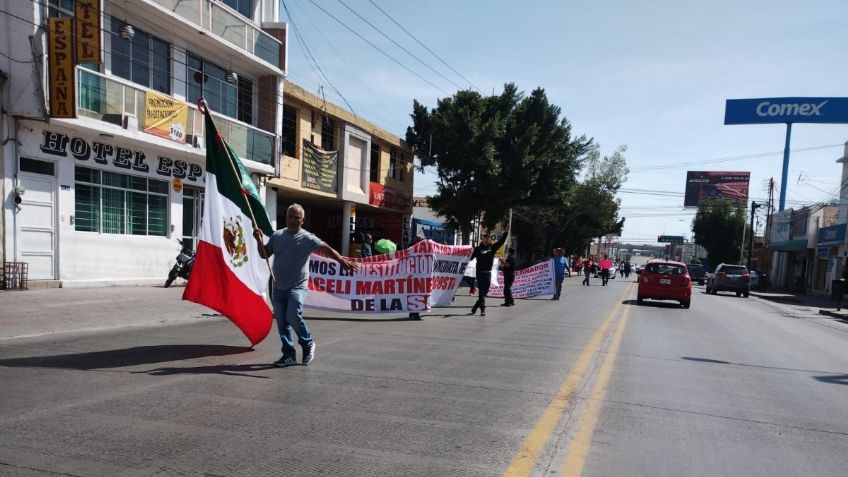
<point>728,159</point>
<point>423,45</point>
<point>377,47</point>
<point>399,45</point>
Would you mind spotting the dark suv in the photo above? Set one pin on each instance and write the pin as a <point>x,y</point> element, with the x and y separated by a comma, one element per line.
<point>733,278</point>
<point>697,272</point>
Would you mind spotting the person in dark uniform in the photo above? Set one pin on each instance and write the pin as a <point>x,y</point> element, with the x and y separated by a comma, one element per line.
<point>509,276</point>
<point>485,255</point>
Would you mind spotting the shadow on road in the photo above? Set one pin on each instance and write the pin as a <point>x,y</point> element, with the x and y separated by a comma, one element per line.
<point>655,304</point>
<point>359,320</point>
<point>119,358</point>
<point>838,379</point>
<point>222,369</point>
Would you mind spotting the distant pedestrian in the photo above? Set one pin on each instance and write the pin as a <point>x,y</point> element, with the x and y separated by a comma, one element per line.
<point>606,267</point>
<point>485,256</point>
<point>508,268</point>
<point>291,248</point>
<point>588,265</point>
<point>367,246</point>
<point>560,263</point>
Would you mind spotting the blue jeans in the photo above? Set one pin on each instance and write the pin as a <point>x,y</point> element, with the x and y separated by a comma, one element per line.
<point>288,313</point>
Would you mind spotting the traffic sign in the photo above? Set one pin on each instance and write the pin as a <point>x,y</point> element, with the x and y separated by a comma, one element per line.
<point>670,238</point>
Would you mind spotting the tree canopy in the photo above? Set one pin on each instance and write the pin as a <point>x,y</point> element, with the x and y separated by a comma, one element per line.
<point>718,228</point>
<point>495,153</point>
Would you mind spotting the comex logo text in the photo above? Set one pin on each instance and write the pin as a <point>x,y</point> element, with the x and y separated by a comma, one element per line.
<point>807,109</point>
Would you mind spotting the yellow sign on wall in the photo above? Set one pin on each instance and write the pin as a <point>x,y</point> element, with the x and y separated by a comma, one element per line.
<point>88,46</point>
<point>61,67</point>
<point>165,116</point>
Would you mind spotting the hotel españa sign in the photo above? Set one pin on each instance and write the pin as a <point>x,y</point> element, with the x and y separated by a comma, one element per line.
<point>786,110</point>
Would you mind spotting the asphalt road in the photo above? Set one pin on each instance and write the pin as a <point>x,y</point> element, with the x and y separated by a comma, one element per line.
<point>591,385</point>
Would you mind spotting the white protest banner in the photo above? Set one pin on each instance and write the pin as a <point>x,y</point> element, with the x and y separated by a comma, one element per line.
<point>412,280</point>
<point>529,282</point>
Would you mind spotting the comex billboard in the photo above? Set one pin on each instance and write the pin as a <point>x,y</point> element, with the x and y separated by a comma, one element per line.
<point>731,185</point>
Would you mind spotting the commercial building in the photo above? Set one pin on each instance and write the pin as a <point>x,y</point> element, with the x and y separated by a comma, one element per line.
<point>351,176</point>
<point>103,155</point>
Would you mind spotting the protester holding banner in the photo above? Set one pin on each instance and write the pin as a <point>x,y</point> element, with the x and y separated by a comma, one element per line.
<point>560,264</point>
<point>485,256</point>
<point>291,248</point>
<point>508,268</point>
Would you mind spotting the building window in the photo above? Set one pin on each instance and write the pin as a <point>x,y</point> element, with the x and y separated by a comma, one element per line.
<point>113,203</point>
<point>402,167</point>
<point>394,159</point>
<point>375,163</point>
<point>328,134</point>
<point>145,60</point>
<point>289,133</point>
<point>244,7</point>
<point>245,100</point>
<point>209,81</point>
<point>60,8</point>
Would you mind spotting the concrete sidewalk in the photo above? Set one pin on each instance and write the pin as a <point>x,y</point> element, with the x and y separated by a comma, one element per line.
<point>32,313</point>
<point>823,303</point>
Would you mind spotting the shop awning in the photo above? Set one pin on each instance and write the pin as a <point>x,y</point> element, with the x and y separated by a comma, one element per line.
<point>794,245</point>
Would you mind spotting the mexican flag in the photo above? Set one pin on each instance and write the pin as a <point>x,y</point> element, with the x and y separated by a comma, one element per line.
<point>229,276</point>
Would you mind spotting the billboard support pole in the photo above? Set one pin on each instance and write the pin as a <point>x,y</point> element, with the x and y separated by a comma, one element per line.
<point>784,178</point>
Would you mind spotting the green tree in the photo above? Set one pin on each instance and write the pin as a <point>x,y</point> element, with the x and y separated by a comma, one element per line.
<point>718,228</point>
<point>495,153</point>
<point>590,208</point>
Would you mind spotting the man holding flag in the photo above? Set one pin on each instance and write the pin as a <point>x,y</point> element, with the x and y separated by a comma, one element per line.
<point>291,248</point>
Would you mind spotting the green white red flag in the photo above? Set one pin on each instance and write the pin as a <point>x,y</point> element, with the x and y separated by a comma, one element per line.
<point>229,275</point>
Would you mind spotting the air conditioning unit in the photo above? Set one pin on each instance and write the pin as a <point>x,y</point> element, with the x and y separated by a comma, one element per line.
<point>130,122</point>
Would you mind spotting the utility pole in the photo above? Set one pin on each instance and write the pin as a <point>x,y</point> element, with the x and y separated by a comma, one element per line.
<point>754,207</point>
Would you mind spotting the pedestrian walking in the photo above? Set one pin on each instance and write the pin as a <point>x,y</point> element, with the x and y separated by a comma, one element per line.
<point>560,263</point>
<point>509,276</point>
<point>367,246</point>
<point>606,266</point>
<point>587,270</point>
<point>485,256</point>
<point>291,248</point>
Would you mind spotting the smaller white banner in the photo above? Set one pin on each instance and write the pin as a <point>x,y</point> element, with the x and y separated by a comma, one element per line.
<point>529,282</point>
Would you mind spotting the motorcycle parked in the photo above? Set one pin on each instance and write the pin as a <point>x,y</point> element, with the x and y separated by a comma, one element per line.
<point>185,262</point>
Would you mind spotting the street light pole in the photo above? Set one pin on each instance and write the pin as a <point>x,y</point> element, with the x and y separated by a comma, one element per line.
<point>754,207</point>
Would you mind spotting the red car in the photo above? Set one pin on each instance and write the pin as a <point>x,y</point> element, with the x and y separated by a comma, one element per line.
<point>665,280</point>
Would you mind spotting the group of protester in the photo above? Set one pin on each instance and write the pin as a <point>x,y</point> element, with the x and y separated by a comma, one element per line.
<point>293,245</point>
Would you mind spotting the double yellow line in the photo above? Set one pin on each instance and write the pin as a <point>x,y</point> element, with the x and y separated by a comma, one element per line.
<point>523,462</point>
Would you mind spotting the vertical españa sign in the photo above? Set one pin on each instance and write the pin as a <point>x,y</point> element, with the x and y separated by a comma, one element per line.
<point>61,64</point>
<point>88,45</point>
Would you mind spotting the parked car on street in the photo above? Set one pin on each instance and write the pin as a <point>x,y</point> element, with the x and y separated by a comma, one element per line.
<point>728,277</point>
<point>664,280</point>
<point>697,272</point>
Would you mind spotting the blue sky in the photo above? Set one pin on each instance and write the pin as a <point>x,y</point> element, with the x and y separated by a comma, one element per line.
<point>653,75</point>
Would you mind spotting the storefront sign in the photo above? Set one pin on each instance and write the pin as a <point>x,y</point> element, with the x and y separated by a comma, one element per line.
<point>833,235</point>
<point>88,45</point>
<point>165,116</point>
<point>786,110</point>
<point>319,168</point>
<point>389,198</point>
<point>60,60</point>
<point>424,275</point>
<point>59,144</point>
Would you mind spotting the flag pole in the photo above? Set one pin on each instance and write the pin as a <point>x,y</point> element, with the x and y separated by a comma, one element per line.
<point>204,108</point>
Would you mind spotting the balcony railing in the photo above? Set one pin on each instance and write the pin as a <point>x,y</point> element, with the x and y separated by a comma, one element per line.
<point>110,99</point>
<point>228,25</point>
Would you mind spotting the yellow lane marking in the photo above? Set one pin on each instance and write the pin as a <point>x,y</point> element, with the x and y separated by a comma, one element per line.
<point>581,443</point>
<point>522,463</point>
